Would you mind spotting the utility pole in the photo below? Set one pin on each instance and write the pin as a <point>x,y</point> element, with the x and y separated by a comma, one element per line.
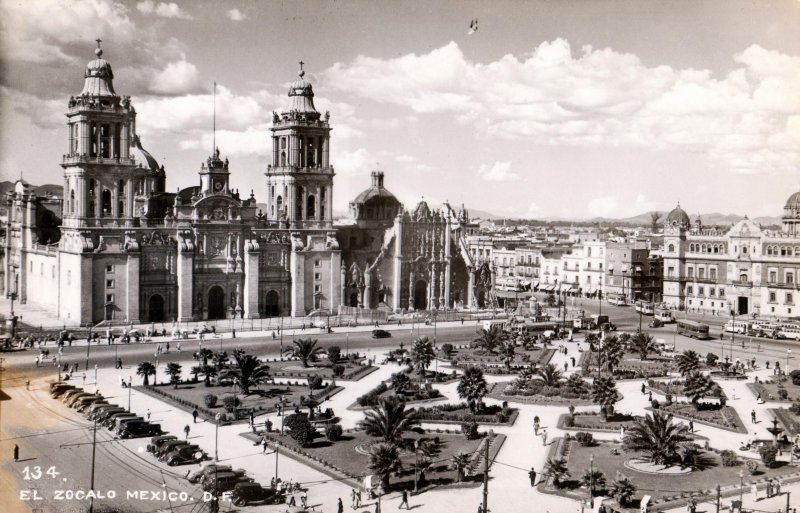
<point>277,450</point>
<point>485,476</point>
<point>94,446</point>
<point>719,498</point>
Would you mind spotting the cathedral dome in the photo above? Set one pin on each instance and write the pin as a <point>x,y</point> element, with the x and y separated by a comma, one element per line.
<point>376,202</point>
<point>142,156</point>
<point>678,217</point>
<point>301,97</point>
<point>793,203</point>
<point>98,78</point>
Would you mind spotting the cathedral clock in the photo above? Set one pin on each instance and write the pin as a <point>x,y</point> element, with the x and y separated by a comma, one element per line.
<point>218,185</point>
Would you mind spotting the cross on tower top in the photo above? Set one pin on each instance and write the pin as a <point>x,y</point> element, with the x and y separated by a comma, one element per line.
<point>98,51</point>
<point>98,42</point>
<point>302,73</point>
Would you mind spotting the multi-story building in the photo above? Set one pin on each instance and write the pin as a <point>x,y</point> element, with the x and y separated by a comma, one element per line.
<point>743,270</point>
<point>632,271</point>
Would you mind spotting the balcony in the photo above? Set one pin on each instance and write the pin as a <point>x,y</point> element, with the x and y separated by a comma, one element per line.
<point>85,159</point>
<point>783,285</point>
<point>742,283</point>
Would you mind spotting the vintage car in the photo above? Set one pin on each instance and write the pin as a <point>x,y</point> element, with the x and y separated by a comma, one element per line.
<point>138,429</point>
<point>185,454</point>
<point>158,441</point>
<point>381,334</point>
<point>247,493</point>
<point>199,476</point>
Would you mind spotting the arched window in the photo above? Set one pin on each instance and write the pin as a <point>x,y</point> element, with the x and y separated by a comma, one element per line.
<point>283,143</point>
<point>105,203</point>
<point>91,187</point>
<point>91,208</point>
<point>716,248</point>
<point>783,251</point>
<point>311,207</point>
<point>769,250</point>
<point>121,188</point>
<point>120,209</point>
<point>671,248</point>
<point>279,205</point>
<point>72,201</point>
<point>283,158</point>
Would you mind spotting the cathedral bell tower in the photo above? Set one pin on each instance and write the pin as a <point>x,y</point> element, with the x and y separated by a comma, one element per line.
<point>300,178</point>
<point>214,177</point>
<point>105,167</point>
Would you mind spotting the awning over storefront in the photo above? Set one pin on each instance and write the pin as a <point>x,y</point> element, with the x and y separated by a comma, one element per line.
<point>510,294</point>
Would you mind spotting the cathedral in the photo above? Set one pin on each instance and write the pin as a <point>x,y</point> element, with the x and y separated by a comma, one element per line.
<point>119,247</point>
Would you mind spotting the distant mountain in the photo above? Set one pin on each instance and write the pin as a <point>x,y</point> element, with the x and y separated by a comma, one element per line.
<point>41,190</point>
<point>713,218</point>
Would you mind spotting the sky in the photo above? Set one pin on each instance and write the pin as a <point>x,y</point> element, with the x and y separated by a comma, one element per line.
<point>570,109</point>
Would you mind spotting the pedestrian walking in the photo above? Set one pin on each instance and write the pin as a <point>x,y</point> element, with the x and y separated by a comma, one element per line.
<point>304,499</point>
<point>573,361</point>
<point>178,346</point>
<point>532,476</point>
<point>186,430</point>
<point>753,416</point>
<point>168,347</point>
<point>544,437</point>
<point>566,366</point>
<point>339,506</point>
<point>642,388</point>
<point>16,452</point>
<point>777,489</point>
<point>147,414</point>
<point>404,500</point>
<point>291,501</point>
<point>234,332</point>
<point>358,499</point>
<point>264,444</point>
<point>650,396</point>
<point>691,426</point>
<point>353,498</point>
<point>194,416</point>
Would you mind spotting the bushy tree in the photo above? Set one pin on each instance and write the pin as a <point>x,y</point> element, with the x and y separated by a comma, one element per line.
<point>576,384</point>
<point>687,362</point>
<point>300,428</point>
<point>656,435</point>
<point>697,386</point>
<point>384,459</point>
<point>422,354</point>
<point>208,372</point>
<point>459,462</point>
<point>508,352</point>
<point>604,393</point>
<point>305,350</point>
<point>623,490</point>
<point>220,359</point>
<point>248,370</point>
<point>550,375</point>
<point>204,355</point>
<point>472,387</point>
<point>333,354</point>
<point>594,479</point>
<point>389,419</point>
<point>611,353</point>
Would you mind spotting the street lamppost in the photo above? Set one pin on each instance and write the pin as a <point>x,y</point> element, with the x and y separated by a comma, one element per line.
<point>741,485</point>
<point>217,417</point>
<point>130,385</point>
<point>416,463</point>
<point>591,480</point>
<point>788,355</point>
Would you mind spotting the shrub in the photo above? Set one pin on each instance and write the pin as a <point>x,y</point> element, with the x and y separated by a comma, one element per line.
<point>795,375</point>
<point>752,466</point>
<point>447,350</point>
<point>768,454</point>
<point>795,408</point>
<point>230,403</point>
<point>711,359</point>
<point>300,429</point>
<point>729,458</point>
<point>583,438</point>
<point>333,432</point>
<point>655,404</point>
<point>210,400</point>
<point>338,370</point>
<point>783,393</point>
<point>668,399</point>
<point>371,397</point>
<point>569,421</point>
<point>470,430</point>
<point>314,382</point>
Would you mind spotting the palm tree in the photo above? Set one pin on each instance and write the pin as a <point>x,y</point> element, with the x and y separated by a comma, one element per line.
<point>472,387</point>
<point>604,393</point>
<point>208,372</point>
<point>612,352</point>
<point>459,462</point>
<point>623,490</point>
<point>557,469</point>
<point>592,338</point>
<point>428,450</point>
<point>576,384</point>
<point>196,369</point>
<point>655,217</point>
<point>146,369</point>
<point>697,386</point>
<point>384,459</point>
<point>489,340</point>
<point>389,419</point>
<point>594,480</point>
<point>174,373</point>
<point>687,362</point>
<point>203,354</point>
<point>248,370</point>
<point>524,379</point>
<point>550,375</point>
<point>305,349</point>
<point>643,344</point>
<point>220,359</point>
<point>422,354</point>
<point>507,351</point>
<point>333,354</point>
<point>656,435</point>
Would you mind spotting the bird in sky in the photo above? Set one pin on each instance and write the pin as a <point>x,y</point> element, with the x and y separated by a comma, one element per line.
<point>473,26</point>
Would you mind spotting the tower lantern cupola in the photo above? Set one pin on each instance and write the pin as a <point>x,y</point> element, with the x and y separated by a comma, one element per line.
<point>214,175</point>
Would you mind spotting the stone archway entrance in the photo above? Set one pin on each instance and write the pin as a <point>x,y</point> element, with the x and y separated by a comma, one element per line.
<point>421,295</point>
<point>272,304</point>
<point>354,298</point>
<point>481,298</point>
<point>216,303</point>
<point>155,308</point>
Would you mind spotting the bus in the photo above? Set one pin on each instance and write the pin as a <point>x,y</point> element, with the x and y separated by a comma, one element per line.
<point>644,307</point>
<point>693,329</point>
<point>738,327</point>
<point>616,298</point>
<point>789,331</point>
<point>664,315</point>
<point>534,328</point>
<point>489,324</point>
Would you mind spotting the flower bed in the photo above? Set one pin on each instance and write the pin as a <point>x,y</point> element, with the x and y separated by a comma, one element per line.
<point>675,388</point>
<point>355,368</point>
<point>593,421</point>
<point>550,395</point>
<point>790,421</point>
<point>771,391</point>
<point>370,399</point>
<point>494,364</point>
<point>460,413</point>
<point>629,368</point>
<point>724,417</point>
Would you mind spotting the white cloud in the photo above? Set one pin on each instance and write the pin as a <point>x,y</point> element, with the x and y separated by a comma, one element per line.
<point>498,172</point>
<point>236,15</point>
<point>162,9</point>
<point>177,77</point>
<point>599,97</point>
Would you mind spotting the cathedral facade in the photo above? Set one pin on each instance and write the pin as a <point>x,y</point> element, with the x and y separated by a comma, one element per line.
<point>119,247</point>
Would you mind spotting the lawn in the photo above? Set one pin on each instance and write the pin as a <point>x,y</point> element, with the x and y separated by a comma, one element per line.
<point>354,369</point>
<point>414,394</point>
<point>724,417</point>
<point>675,388</point>
<point>498,391</point>
<point>348,456</point>
<point>662,487</point>
<point>789,421</point>
<point>593,421</point>
<point>492,363</point>
<point>771,390</point>
<point>262,399</point>
<point>460,413</point>
<point>631,366</point>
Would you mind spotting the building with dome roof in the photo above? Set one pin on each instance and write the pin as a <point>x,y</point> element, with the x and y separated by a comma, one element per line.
<point>119,247</point>
<point>741,270</point>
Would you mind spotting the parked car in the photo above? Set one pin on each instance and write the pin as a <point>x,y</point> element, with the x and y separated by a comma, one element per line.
<point>186,454</point>
<point>59,387</point>
<point>158,441</point>
<point>83,402</point>
<point>247,493</point>
<point>199,475</point>
<point>381,334</point>
<point>655,323</point>
<point>224,482</point>
<point>121,422</point>
<point>101,413</point>
<point>112,419</point>
<point>201,329</point>
<point>69,394</point>
<point>76,397</point>
<point>170,446</point>
<point>139,429</point>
